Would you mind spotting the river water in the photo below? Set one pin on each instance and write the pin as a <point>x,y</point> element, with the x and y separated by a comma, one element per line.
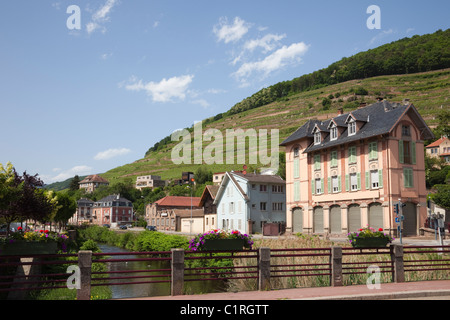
<point>148,289</point>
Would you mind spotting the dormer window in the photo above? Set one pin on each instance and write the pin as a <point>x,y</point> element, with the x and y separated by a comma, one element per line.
<point>351,127</point>
<point>333,133</point>
<point>317,137</point>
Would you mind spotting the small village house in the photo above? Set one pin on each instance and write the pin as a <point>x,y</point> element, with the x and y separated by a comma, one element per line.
<point>209,208</point>
<point>246,201</point>
<point>92,182</point>
<point>440,149</point>
<point>113,210</point>
<point>149,181</point>
<point>173,213</point>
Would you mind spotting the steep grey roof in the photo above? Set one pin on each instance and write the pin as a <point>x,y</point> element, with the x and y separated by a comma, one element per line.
<point>260,178</point>
<point>379,118</point>
<point>302,132</point>
<point>113,200</point>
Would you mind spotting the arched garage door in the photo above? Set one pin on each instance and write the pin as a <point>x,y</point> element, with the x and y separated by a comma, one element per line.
<point>375,216</point>
<point>354,218</point>
<point>410,221</point>
<point>335,219</point>
<point>318,220</point>
<point>297,220</point>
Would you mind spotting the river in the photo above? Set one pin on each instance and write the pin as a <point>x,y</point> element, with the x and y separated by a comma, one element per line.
<point>149,289</point>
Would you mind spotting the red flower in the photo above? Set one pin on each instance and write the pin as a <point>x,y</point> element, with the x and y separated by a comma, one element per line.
<point>41,231</point>
<point>381,229</point>
<point>46,231</point>
<point>360,229</point>
<point>19,228</point>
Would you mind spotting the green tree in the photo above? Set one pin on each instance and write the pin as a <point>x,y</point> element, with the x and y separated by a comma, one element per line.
<point>74,183</point>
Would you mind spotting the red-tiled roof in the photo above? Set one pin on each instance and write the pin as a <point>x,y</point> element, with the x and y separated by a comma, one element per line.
<point>94,178</point>
<point>173,201</point>
<point>436,143</point>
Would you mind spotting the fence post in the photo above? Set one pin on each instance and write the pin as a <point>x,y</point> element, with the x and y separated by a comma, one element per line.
<point>177,279</point>
<point>336,267</point>
<point>264,269</point>
<point>397,261</point>
<point>85,265</point>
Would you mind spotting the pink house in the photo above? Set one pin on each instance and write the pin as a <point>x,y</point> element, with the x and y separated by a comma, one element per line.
<point>348,172</point>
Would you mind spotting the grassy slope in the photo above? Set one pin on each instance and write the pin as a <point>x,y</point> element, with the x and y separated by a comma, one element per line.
<point>428,91</point>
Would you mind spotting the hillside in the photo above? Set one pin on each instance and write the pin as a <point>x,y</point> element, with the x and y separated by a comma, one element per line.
<point>415,68</point>
<point>428,91</point>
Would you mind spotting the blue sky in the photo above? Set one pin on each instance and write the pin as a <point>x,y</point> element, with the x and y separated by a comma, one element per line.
<point>83,101</point>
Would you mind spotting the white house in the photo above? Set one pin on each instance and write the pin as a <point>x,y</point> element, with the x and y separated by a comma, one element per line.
<point>245,201</point>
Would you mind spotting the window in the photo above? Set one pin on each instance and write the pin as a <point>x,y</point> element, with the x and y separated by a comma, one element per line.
<point>317,137</point>
<point>277,189</point>
<point>351,127</point>
<point>295,152</point>
<point>406,131</point>
<point>333,133</point>
<point>334,161</point>
<point>277,206</point>
<point>407,152</point>
<point>262,206</point>
<point>352,154</point>
<point>408,177</point>
<point>374,178</point>
<point>263,188</point>
<point>318,186</point>
<point>354,181</point>
<point>335,183</point>
<point>231,207</point>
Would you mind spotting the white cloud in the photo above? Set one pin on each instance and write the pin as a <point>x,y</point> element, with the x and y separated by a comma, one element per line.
<point>269,42</point>
<point>101,16</point>
<point>77,170</point>
<point>111,153</point>
<point>231,32</point>
<point>276,60</point>
<point>165,90</point>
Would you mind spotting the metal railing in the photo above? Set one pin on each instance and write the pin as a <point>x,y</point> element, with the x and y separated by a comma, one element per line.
<point>337,265</point>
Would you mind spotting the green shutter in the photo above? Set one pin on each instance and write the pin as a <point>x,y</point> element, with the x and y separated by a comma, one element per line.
<point>413,152</point>
<point>317,162</point>
<point>296,168</point>
<point>322,187</point>
<point>373,150</point>
<point>313,186</point>
<point>339,183</point>
<point>329,185</point>
<point>347,182</point>
<point>400,151</point>
<point>296,191</point>
<point>380,178</point>
<point>367,180</point>
<point>358,177</point>
<point>333,158</point>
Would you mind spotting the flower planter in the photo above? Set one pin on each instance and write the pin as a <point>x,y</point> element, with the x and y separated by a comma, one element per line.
<point>370,242</point>
<point>223,244</point>
<point>23,248</point>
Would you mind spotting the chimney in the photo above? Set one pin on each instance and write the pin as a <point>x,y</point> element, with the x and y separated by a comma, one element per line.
<point>362,104</point>
<point>340,111</point>
<point>406,102</point>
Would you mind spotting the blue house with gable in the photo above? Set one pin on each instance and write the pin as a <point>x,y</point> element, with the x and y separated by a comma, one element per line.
<point>246,201</point>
